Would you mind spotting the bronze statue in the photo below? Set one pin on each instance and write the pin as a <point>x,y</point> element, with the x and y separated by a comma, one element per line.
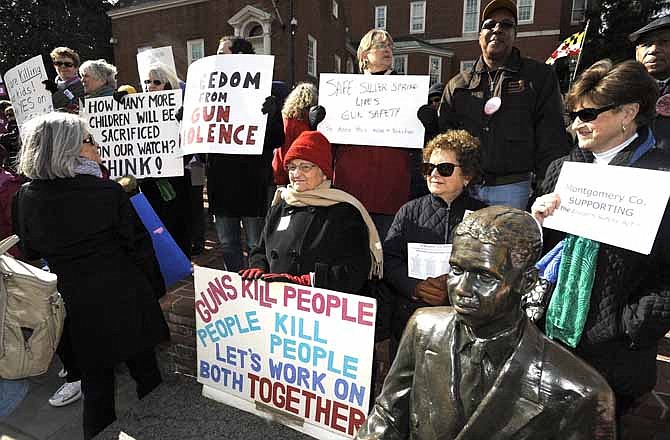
<point>480,369</point>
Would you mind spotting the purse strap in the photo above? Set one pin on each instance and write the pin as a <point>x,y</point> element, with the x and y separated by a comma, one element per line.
<point>7,243</point>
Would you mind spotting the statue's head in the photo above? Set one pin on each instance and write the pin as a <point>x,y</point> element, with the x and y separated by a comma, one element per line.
<point>492,266</point>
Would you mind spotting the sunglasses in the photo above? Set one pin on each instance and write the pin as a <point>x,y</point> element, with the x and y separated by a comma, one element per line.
<point>156,82</point>
<point>590,114</point>
<point>63,63</point>
<point>445,169</point>
<point>89,140</point>
<point>436,99</point>
<point>490,24</point>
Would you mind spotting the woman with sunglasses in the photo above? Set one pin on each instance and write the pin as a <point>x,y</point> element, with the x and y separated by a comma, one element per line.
<point>170,196</point>
<point>451,163</point>
<point>315,235</point>
<point>628,294</point>
<point>66,89</point>
<point>86,229</point>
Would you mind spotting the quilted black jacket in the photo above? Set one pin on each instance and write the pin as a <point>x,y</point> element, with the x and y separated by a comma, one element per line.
<point>427,219</point>
<point>630,300</point>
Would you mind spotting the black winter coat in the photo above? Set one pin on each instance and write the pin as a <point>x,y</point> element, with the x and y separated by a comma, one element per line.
<point>237,184</point>
<point>330,241</point>
<point>428,219</point>
<point>85,228</point>
<point>630,300</point>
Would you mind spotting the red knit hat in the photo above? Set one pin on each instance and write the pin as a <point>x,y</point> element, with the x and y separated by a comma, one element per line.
<point>314,147</point>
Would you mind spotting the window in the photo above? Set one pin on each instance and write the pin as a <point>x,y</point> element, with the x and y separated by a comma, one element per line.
<point>338,64</point>
<point>470,16</point>
<point>466,66</point>
<point>525,10</point>
<point>380,17</point>
<point>417,17</point>
<point>143,48</point>
<point>256,37</point>
<point>195,49</point>
<point>311,55</point>
<point>578,11</point>
<point>336,9</point>
<point>400,64</point>
<point>435,69</point>
<point>350,65</point>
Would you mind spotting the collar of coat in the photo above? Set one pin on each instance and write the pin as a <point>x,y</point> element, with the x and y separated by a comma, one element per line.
<point>511,65</point>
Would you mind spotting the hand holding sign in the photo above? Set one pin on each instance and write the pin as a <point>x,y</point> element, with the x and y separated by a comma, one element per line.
<point>545,206</point>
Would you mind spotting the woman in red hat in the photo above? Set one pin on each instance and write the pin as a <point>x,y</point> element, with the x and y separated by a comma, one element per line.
<point>315,235</point>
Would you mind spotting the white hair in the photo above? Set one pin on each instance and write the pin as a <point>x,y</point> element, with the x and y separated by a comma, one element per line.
<point>51,145</point>
<point>165,75</point>
<point>100,70</point>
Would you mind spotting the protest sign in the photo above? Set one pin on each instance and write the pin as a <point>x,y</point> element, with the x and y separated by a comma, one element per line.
<point>224,97</point>
<point>426,260</point>
<point>139,137</point>
<point>158,55</point>
<point>612,205</point>
<point>26,91</point>
<point>373,109</point>
<point>297,354</point>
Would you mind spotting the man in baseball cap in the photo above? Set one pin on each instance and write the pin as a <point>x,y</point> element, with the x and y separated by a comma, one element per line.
<point>652,48</point>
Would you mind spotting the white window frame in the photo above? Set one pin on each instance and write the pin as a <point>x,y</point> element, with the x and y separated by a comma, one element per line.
<point>532,12</point>
<point>336,9</point>
<point>377,21</point>
<point>432,58</point>
<point>583,12</point>
<point>350,65</point>
<point>311,64</point>
<point>475,29</point>
<point>189,49</point>
<point>338,63</point>
<point>423,17</point>
<point>466,65</point>
<point>404,63</point>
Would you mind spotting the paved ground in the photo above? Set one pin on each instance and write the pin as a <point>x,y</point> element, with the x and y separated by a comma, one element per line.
<point>35,419</point>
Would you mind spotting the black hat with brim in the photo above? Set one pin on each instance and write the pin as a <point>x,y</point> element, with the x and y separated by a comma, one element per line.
<point>658,24</point>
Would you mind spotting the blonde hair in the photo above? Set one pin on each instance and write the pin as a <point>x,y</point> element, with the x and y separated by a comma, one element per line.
<point>300,100</point>
<point>366,44</point>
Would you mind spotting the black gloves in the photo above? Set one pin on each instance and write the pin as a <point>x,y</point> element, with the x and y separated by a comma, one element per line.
<point>270,106</point>
<point>316,115</point>
<point>118,96</point>
<point>50,85</point>
<point>179,114</point>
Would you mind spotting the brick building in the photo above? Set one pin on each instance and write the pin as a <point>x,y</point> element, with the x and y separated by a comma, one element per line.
<point>431,37</point>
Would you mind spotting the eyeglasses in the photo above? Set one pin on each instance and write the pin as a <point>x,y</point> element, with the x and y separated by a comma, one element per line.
<point>381,46</point>
<point>445,169</point>
<point>63,63</point>
<point>89,140</point>
<point>490,24</point>
<point>156,82</point>
<point>590,114</point>
<point>303,167</point>
<point>436,99</point>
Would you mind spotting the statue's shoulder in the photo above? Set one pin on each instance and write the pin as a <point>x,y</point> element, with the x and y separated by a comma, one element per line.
<point>432,319</point>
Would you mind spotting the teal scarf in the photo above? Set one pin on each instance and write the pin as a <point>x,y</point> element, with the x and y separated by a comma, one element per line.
<point>570,301</point>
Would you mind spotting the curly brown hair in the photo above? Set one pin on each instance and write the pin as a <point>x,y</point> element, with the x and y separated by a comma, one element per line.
<point>463,145</point>
<point>605,83</point>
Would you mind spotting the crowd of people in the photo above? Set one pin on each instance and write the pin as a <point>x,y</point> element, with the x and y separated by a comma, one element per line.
<point>341,217</point>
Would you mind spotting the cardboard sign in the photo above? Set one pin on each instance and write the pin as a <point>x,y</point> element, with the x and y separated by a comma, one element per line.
<point>611,204</point>
<point>373,109</point>
<point>222,110</point>
<point>26,91</point>
<point>427,260</point>
<point>139,137</point>
<point>160,55</point>
<point>300,355</point>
